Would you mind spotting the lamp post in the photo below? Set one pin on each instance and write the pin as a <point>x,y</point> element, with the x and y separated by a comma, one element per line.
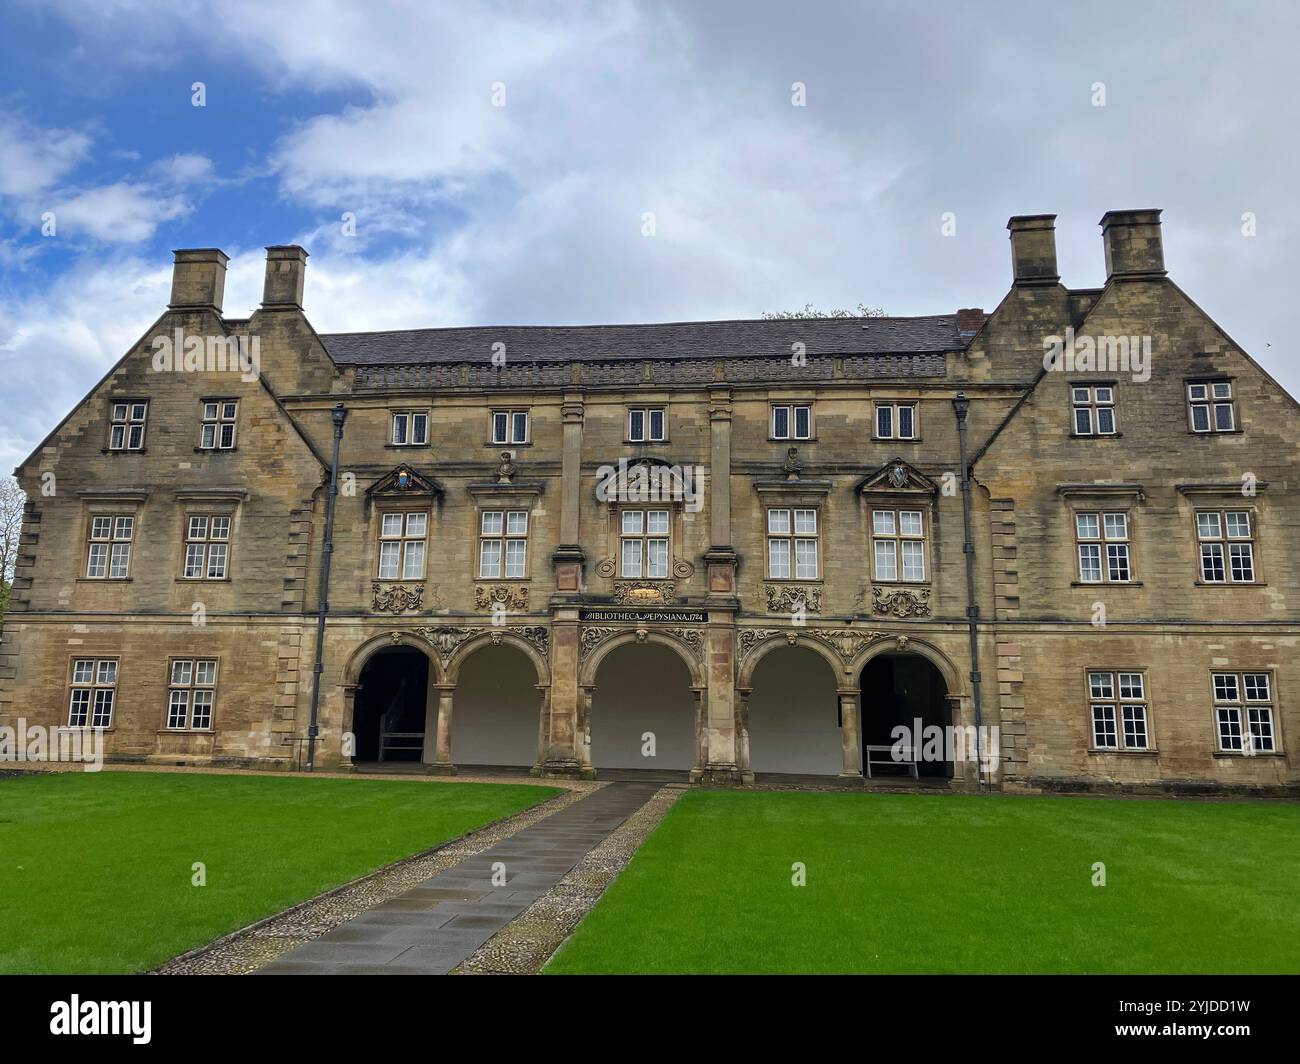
<point>338,415</point>
<point>961,407</point>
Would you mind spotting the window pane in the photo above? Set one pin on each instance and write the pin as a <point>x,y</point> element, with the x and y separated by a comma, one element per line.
<point>1197,391</point>
<point>417,524</point>
<point>1087,526</point>
<point>220,528</point>
<point>202,716</point>
<point>193,561</point>
<point>413,566</point>
<point>656,559</point>
<point>884,421</point>
<point>781,422</point>
<point>217,561</point>
<point>1083,420</point>
<point>1212,562</point>
<point>135,437</point>
<point>182,672</point>
<point>123,527</point>
<point>1130,685</point>
<point>205,673</point>
<point>119,560</point>
<point>102,715</point>
<point>1089,563</point>
<point>499,424</point>
<point>636,425</point>
<point>1260,719</point>
<point>913,560</point>
<point>1222,390</point>
<point>178,709</point>
<point>228,410</point>
<point>517,523</point>
<point>117,438</point>
<point>119,411</point>
<point>1106,420</point>
<point>1238,522</point>
<point>519,422</point>
<point>882,522</point>
<point>420,428</point>
<point>137,411</point>
<point>97,560</point>
<point>1207,526</point>
<point>1101,685</point>
<point>1243,561</point>
<point>82,670</point>
<point>1229,719</point>
<point>1201,418</point>
<point>656,522</point>
<point>515,552</point>
<point>805,522</point>
<point>106,672</point>
<point>1225,687</point>
<point>399,428</point>
<point>208,437</point>
<point>1105,395</point>
<point>778,521</point>
<point>909,522</point>
<point>1103,727</point>
<point>1223,417</point>
<point>492,522</point>
<point>631,557</point>
<point>392,525</point>
<point>1135,727</point>
<point>489,558</point>
<point>198,528</point>
<point>778,559</point>
<point>803,422</point>
<point>1117,567</point>
<point>1116,526</point>
<point>656,424</point>
<point>100,527</point>
<point>79,708</point>
<point>886,560</point>
<point>805,559</point>
<point>388,558</point>
<point>633,522</point>
<point>906,421</point>
<point>1256,684</point>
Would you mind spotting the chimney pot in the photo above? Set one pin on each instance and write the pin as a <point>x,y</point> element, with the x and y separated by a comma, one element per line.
<point>1134,246</point>
<point>286,266</point>
<point>199,278</point>
<point>1033,249</point>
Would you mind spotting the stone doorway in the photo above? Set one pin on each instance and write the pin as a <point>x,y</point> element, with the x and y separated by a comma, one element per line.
<point>389,711</point>
<point>898,690</point>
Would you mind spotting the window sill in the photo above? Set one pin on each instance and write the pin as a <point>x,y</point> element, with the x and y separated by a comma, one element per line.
<point>214,450</point>
<point>919,585</point>
<point>1095,752</point>
<point>186,731</point>
<point>1249,757</point>
<point>792,439</point>
<point>895,439</point>
<point>407,446</point>
<point>794,580</point>
<point>1229,583</point>
<point>1217,432</point>
<point>389,580</point>
<point>123,450</point>
<point>104,579</point>
<point>1096,435</point>
<point>646,443</point>
<point>1106,583</point>
<point>506,579</point>
<point>499,445</point>
<point>203,580</point>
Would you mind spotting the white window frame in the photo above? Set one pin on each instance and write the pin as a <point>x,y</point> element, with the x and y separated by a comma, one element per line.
<point>647,416</point>
<point>409,428</point>
<point>1119,709</point>
<point>793,542</point>
<point>191,687</point>
<point>648,529</point>
<point>792,413</point>
<point>207,547</point>
<point>1093,400</point>
<point>1113,546</point>
<point>510,427</point>
<point>894,426</point>
<point>127,420</point>
<point>887,531</point>
<point>1249,720</point>
<point>108,549</point>
<point>92,692</point>
<point>218,424</point>
<point>406,542</point>
<point>1211,397</point>
<point>507,532</point>
<point>1232,552</point>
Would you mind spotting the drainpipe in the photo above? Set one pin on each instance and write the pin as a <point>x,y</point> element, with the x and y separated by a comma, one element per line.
<point>338,415</point>
<point>961,407</point>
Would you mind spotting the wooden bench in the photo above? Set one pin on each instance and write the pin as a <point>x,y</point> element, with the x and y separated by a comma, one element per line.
<point>908,759</point>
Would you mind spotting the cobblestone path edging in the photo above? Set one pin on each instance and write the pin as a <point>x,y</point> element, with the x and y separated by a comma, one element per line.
<point>260,943</point>
<point>525,944</point>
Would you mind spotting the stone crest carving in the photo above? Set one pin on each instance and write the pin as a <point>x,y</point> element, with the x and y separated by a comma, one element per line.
<point>691,638</point>
<point>645,592</point>
<point>901,602</point>
<point>606,567</point>
<point>512,597</point>
<point>792,598</point>
<point>396,598</point>
<point>846,642</point>
<point>446,639</point>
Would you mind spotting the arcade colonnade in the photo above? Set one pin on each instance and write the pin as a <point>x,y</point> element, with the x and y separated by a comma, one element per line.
<point>718,701</point>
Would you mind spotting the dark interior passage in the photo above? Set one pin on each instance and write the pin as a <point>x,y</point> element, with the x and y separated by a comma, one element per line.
<point>899,689</point>
<point>392,693</point>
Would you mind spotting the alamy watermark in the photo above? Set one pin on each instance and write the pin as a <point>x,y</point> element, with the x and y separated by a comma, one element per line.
<point>1098,354</point>
<point>649,482</point>
<point>38,744</point>
<point>180,353</point>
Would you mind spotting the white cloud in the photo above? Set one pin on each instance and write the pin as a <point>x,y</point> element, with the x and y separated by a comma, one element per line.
<point>32,159</point>
<point>120,213</point>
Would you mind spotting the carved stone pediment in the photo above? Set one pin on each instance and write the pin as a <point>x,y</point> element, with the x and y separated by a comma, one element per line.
<point>898,477</point>
<point>402,482</point>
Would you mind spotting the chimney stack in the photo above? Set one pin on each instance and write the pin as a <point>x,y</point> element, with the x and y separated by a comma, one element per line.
<point>1033,249</point>
<point>286,265</point>
<point>969,320</point>
<point>1134,247</point>
<point>199,278</point>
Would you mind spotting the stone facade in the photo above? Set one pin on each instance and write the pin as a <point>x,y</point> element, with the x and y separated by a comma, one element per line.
<point>727,488</point>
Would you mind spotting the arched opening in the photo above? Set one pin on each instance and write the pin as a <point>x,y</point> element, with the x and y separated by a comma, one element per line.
<point>643,710</point>
<point>497,706</point>
<point>794,714</point>
<point>389,713</point>
<point>900,690</point>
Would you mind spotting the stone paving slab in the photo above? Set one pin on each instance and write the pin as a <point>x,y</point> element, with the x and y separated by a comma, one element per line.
<point>439,923</point>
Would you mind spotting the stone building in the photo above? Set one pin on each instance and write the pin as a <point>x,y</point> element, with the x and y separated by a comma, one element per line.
<point>724,548</point>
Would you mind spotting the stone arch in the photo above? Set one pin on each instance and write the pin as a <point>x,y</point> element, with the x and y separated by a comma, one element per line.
<point>591,663</point>
<point>744,679</point>
<point>362,654</point>
<point>911,645</point>
<point>498,638</point>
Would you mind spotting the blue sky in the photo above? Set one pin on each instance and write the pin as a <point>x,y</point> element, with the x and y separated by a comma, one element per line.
<point>533,212</point>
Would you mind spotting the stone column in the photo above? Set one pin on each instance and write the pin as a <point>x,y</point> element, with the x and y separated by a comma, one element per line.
<point>849,733</point>
<point>586,697</point>
<point>701,735</point>
<point>347,737</point>
<point>718,729</point>
<point>543,729</point>
<point>563,710</point>
<point>567,559</point>
<point>742,735</point>
<point>442,763</point>
<point>720,559</point>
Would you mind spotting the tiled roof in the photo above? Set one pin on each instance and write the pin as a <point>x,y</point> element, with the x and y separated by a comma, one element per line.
<point>670,340</point>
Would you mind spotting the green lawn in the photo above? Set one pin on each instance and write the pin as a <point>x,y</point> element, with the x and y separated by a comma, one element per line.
<point>952,883</point>
<point>96,868</point>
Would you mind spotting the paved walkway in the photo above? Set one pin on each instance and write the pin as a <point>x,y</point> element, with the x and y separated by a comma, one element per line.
<point>435,926</point>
